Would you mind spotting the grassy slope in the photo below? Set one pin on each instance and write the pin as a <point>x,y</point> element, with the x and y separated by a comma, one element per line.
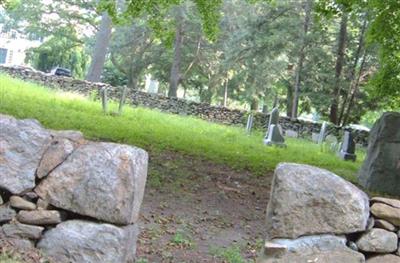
<point>156,131</point>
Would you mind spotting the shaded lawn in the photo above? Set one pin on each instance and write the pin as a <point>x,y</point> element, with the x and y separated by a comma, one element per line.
<point>157,131</point>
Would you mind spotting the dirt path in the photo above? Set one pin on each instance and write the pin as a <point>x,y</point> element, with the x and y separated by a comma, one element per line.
<point>197,211</point>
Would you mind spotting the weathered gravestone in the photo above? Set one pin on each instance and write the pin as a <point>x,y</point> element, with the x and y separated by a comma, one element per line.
<point>292,134</point>
<point>348,148</point>
<point>321,136</point>
<point>249,124</point>
<point>274,135</point>
<point>381,169</point>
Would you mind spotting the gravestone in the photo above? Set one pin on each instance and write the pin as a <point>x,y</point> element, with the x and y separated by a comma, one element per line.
<point>381,169</point>
<point>322,133</point>
<point>249,124</point>
<point>348,148</point>
<point>292,134</point>
<point>274,135</point>
<point>315,137</point>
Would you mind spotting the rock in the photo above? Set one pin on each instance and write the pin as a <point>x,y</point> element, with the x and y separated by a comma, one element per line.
<point>42,204</point>
<point>22,143</point>
<point>31,196</point>
<point>1,200</point>
<point>307,200</point>
<point>74,136</point>
<point>101,180</point>
<point>389,213</point>
<point>17,244</point>
<point>352,245</point>
<point>83,241</point>
<point>6,214</point>
<point>18,230</point>
<point>398,251</point>
<point>21,203</point>
<point>388,258</point>
<point>392,202</point>
<point>55,154</point>
<point>370,223</point>
<point>380,223</point>
<point>377,240</point>
<point>321,248</point>
<point>380,171</point>
<point>40,217</point>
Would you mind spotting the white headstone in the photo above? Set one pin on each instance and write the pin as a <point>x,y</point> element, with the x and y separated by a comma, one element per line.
<point>322,133</point>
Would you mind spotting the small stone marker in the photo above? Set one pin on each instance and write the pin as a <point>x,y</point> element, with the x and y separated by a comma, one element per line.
<point>347,151</point>
<point>322,133</point>
<point>274,135</point>
<point>249,123</point>
<point>291,134</point>
<point>315,137</point>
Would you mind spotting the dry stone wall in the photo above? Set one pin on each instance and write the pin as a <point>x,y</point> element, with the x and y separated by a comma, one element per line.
<point>314,215</point>
<point>176,105</point>
<point>76,200</point>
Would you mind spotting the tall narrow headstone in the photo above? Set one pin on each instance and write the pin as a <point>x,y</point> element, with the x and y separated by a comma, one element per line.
<point>249,123</point>
<point>322,133</point>
<point>274,135</point>
<point>381,169</point>
<point>348,148</point>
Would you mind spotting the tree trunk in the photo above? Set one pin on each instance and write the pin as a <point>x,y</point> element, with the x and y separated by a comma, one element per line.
<point>289,99</point>
<point>100,49</point>
<point>333,116</point>
<point>306,25</point>
<point>254,104</point>
<point>354,69</point>
<point>354,90</point>
<point>226,92</point>
<point>175,77</point>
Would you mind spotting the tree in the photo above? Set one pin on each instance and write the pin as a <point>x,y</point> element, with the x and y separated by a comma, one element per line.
<point>342,38</point>
<point>307,18</point>
<point>59,51</point>
<point>100,49</point>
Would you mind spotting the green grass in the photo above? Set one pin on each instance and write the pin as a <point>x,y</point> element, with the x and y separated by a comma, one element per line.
<point>157,131</point>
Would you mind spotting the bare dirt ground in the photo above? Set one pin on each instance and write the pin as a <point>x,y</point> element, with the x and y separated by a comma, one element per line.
<point>197,211</point>
<point>193,211</point>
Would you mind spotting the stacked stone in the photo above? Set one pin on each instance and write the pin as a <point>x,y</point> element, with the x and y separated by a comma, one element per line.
<point>76,200</point>
<point>314,215</point>
<point>381,240</point>
<point>176,105</point>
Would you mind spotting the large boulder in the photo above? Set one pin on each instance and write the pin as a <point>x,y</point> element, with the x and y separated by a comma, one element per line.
<point>307,200</point>
<point>101,180</point>
<point>381,169</point>
<point>79,241</point>
<point>321,248</point>
<point>22,143</point>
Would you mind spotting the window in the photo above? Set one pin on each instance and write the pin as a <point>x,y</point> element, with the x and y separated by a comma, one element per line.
<point>3,55</point>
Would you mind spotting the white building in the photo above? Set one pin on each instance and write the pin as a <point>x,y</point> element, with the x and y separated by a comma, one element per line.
<point>13,47</point>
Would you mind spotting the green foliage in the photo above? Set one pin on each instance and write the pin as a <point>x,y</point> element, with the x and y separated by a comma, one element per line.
<point>59,51</point>
<point>156,131</point>
<point>9,4</point>
<point>231,254</point>
<point>182,239</point>
<point>384,31</point>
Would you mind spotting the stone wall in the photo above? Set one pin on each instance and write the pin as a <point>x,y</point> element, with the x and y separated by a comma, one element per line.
<point>75,200</point>
<point>314,215</point>
<point>178,106</point>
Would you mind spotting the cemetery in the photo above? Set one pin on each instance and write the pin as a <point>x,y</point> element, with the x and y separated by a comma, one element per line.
<point>199,131</point>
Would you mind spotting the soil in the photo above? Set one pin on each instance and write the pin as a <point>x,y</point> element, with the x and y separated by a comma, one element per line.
<point>198,211</point>
<point>193,211</point>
